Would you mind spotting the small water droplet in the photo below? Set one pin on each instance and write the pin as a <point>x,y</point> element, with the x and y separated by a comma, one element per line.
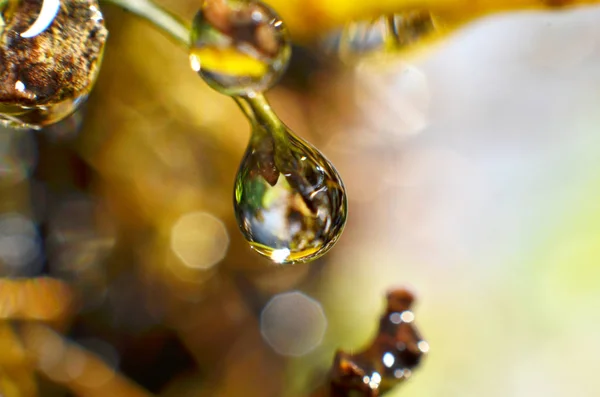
<point>388,33</point>
<point>411,26</point>
<point>238,46</point>
<point>290,201</point>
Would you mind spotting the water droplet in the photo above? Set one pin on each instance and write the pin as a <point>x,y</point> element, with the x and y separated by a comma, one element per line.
<point>390,32</point>
<point>410,27</point>
<point>290,202</point>
<point>238,46</point>
<point>50,59</point>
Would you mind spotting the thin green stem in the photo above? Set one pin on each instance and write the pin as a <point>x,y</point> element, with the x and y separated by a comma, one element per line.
<point>258,110</point>
<point>164,20</point>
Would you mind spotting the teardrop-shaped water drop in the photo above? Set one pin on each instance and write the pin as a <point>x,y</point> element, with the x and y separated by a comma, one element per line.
<point>290,202</point>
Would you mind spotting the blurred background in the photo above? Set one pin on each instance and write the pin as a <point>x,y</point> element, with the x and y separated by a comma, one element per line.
<point>473,176</point>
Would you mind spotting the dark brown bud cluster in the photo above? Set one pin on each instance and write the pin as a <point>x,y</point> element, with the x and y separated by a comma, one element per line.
<point>389,360</point>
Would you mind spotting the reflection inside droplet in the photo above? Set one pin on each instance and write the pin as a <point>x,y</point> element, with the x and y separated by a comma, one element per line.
<point>238,46</point>
<point>290,201</point>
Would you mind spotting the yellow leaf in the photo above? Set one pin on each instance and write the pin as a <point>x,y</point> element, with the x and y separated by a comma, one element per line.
<point>308,19</point>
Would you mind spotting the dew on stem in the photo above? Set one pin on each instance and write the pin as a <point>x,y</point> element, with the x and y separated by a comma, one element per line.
<point>289,200</point>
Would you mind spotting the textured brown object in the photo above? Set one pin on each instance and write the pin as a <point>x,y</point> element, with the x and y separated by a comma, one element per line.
<point>43,77</point>
<point>241,25</point>
<point>389,360</point>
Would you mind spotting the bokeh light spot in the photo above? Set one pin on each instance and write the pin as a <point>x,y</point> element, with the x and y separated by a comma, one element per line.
<point>388,359</point>
<point>396,318</point>
<point>199,240</point>
<point>19,245</point>
<point>293,323</point>
<point>394,97</point>
<point>423,346</point>
<point>407,316</point>
<point>18,155</point>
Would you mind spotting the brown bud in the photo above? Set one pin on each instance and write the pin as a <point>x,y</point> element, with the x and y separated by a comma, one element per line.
<point>399,300</point>
<point>389,360</point>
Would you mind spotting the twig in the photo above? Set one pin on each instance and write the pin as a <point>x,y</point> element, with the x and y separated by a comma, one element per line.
<point>167,22</point>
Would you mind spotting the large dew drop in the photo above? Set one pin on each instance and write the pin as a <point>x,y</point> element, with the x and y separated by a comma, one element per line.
<point>49,59</point>
<point>290,202</point>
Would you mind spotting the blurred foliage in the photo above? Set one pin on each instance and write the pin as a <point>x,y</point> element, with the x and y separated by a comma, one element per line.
<point>155,147</point>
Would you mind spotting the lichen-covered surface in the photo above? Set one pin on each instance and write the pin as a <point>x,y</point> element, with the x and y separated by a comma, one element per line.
<point>56,65</point>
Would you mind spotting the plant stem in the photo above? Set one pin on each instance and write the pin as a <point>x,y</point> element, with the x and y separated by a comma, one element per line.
<point>162,19</point>
<point>257,110</point>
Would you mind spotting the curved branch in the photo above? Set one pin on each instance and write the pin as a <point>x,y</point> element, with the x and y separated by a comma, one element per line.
<point>162,19</point>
